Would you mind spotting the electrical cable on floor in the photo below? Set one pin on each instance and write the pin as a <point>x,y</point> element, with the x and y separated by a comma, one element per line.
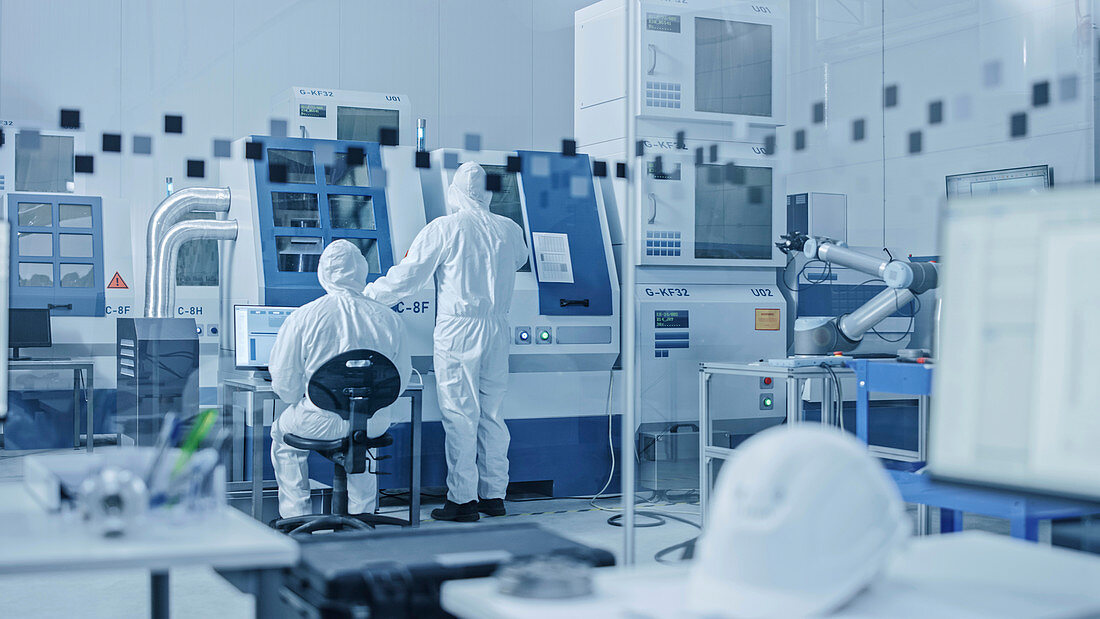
<point>839,394</point>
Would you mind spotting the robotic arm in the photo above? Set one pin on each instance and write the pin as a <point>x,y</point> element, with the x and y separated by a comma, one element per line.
<point>904,281</point>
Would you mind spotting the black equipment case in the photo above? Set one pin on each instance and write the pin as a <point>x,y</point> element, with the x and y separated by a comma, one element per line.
<point>399,573</point>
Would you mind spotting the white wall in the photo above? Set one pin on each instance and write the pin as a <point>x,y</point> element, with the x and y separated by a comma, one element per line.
<point>934,49</point>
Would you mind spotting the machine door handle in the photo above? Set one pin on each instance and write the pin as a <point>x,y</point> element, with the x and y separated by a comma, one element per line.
<point>652,207</point>
<point>652,58</point>
<point>572,302</point>
<point>51,306</point>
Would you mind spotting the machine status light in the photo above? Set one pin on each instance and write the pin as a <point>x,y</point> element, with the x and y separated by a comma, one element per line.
<point>544,335</point>
<point>523,335</point>
<point>767,401</point>
<point>767,380</point>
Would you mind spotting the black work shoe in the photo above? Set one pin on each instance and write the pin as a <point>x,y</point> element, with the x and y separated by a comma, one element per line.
<point>464,512</point>
<point>491,507</point>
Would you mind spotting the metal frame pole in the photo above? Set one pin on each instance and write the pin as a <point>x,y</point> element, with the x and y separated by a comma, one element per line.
<point>630,261</point>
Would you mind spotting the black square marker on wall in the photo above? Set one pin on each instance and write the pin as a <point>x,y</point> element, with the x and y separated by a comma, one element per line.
<point>173,123</point>
<point>658,166</point>
<point>620,169</point>
<point>859,130</point>
<point>712,156</point>
<point>70,119</point>
<point>356,156</point>
<point>599,169</point>
<point>680,141</point>
<point>769,144</point>
<point>819,112</point>
<point>222,148</point>
<point>84,164</point>
<point>276,172</point>
<point>196,168</point>
<point>569,147</point>
<point>935,112</point>
<point>1,137</point>
<point>515,164</point>
<point>387,136</point>
<point>1018,125</point>
<point>142,145</point>
<point>699,156</point>
<point>254,150</point>
<point>639,148</point>
<point>492,182</point>
<point>915,142</point>
<point>1040,93</point>
<point>423,159</point>
<point>112,143</point>
<point>890,96</point>
<point>800,139</point>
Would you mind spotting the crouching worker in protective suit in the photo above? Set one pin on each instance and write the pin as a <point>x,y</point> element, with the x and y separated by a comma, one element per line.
<point>340,321</point>
<point>472,256</point>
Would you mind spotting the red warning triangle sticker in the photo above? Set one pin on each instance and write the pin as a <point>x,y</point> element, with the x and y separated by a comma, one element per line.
<point>116,282</point>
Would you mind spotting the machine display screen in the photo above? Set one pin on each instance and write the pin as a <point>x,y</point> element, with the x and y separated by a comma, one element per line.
<point>665,174</point>
<point>363,124</point>
<point>311,111</point>
<point>733,212</point>
<point>733,67</point>
<point>662,23</point>
<point>506,202</point>
<point>254,331</point>
<point>670,319</point>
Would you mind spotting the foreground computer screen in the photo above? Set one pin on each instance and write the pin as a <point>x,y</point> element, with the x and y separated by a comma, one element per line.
<point>254,330</point>
<point>1016,385</point>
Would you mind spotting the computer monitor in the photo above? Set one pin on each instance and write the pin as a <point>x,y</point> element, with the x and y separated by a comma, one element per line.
<point>1015,389</point>
<point>28,328</point>
<point>254,331</point>
<point>1031,178</point>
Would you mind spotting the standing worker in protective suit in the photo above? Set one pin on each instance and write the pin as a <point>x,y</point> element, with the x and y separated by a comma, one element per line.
<point>473,256</point>
<point>340,321</point>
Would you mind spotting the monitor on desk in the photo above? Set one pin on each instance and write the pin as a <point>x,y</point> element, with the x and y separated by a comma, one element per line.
<point>1030,178</point>
<point>28,328</point>
<point>254,331</point>
<point>1016,389</point>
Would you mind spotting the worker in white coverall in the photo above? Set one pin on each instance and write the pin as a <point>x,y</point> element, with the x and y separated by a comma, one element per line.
<point>340,321</point>
<point>472,255</point>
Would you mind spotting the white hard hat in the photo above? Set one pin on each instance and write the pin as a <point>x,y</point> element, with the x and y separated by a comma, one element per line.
<point>802,519</point>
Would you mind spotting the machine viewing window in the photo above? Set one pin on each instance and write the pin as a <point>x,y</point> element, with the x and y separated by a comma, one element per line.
<point>290,166</point>
<point>733,213</point>
<point>295,210</point>
<point>733,67</point>
<point>57,253</point>
<point>343,175</point>
<point>298,254</point>
<point>369,248</point>
<point>44,162</point>
<point>364,123</point>
<point>507,202</point>
<point>198,260</point>
<point>351,212</point>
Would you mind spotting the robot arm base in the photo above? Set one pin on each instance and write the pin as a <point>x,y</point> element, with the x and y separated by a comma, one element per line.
<point>820,336</point>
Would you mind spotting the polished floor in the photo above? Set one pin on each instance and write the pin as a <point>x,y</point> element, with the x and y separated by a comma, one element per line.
<point>202,593</point>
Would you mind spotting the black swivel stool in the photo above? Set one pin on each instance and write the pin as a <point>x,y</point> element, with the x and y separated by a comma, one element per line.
<point>354,385</point>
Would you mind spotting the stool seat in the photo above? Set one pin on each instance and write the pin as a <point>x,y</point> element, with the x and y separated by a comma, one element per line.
<point>313,444</point>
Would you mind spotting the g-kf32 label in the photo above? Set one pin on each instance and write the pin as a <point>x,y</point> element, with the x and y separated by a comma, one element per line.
<point>667,292</point>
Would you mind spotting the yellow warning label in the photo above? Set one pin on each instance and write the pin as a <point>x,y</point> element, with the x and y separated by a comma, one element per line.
<point>117,282</point>
<point>767,319</point>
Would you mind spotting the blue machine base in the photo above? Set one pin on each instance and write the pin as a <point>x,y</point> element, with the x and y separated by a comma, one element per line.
<point>570,452</point>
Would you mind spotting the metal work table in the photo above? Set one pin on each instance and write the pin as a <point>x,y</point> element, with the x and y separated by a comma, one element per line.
<point>80,368</point>
<point>258,391</point>
<point>794,379</point>
<point>226,540</point>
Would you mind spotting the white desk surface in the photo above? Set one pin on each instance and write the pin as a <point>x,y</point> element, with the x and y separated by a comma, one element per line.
<point>32,540</point>
<point>961,575</point>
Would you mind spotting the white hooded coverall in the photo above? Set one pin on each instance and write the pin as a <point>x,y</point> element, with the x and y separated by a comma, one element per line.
<point>340,321</point>
<point>472,255</point>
